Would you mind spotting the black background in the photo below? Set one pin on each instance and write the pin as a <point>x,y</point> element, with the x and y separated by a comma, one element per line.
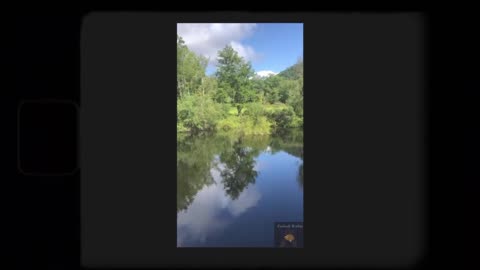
<point>364,203</point>
<point>46,209</point>
<point>52,150</point>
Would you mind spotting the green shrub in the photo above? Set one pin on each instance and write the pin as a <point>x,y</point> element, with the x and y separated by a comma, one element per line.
<point>260,126</point>
<point>254,111</point>
<point>197,113</point>
<point>232,110</point>
<point>181,128</point>
<point>297,122</point>
<point>245,125</point>
<point>282,118</point>
<point>229,123</point>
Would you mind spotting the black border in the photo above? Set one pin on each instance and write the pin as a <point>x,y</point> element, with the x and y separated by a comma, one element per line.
<point>77,109</point>
<point>200,254</point>
<point>461,51</point>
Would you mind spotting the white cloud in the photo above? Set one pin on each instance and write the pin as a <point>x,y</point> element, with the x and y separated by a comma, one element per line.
<point>247,199</point>
<point>244,51</point>
<point>204,216</point>
<point>208,38</point>
<point>266,73</point>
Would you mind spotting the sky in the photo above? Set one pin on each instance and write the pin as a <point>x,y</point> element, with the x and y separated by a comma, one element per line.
<point>270,47</point>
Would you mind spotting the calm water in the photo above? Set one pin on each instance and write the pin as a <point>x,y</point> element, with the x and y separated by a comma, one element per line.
<point>231,189</point>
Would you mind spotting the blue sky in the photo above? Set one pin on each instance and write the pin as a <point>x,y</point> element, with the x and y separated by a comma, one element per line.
<point>271,47</point>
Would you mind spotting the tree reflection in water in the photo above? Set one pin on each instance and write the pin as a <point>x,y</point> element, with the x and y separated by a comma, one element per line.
<point>196,157</point>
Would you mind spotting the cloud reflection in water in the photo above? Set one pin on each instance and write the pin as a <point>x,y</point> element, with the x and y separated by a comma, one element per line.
<point>213,210</point>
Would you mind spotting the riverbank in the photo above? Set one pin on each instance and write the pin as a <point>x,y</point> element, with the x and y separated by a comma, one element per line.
<point>254,119</point>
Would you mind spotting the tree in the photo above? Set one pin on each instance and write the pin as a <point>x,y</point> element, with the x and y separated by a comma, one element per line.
<point>208,86</point>
<point>286,88</point>
<point>233,74</point>
<point>190,69</point>
<point>295,96</point>
<point>271,89</point>
<point>258,85</point>
<point>293,72</point>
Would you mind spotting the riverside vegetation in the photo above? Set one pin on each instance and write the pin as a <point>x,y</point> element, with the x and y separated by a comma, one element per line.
<point>235,99</point>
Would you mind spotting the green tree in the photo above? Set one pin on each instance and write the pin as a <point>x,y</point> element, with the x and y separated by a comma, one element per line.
<point>258,85</point>
<point>190,69</point>
<point>271,89</point>
<point>293,72</point>
<point>234,78</point>
<point>208,86</point>
<point>295,96</point>
<point>286,88</point>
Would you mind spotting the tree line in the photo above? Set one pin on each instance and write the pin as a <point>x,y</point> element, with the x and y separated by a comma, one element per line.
<point>234,98</point>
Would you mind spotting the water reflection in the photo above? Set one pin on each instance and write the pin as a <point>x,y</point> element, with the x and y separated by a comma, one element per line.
<point>217,181</point>
<point>212,210</point>
<point>238,169</point>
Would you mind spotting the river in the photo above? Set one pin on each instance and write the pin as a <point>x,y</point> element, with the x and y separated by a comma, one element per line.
<point>232,189</point>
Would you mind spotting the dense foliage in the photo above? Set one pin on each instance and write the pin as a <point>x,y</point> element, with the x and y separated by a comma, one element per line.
<point>234,98</point>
